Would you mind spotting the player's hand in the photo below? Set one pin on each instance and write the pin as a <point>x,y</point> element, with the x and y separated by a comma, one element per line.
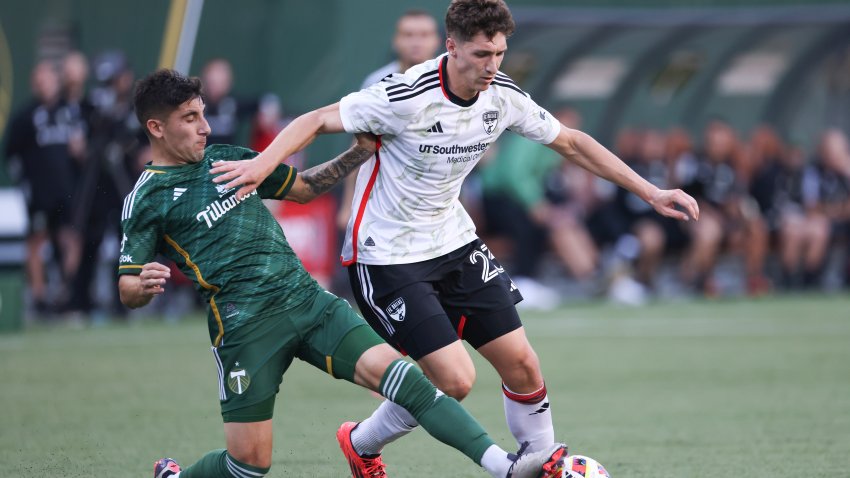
<point>665,201</point>
<point>248,174</point>
<point>153,277</point>
<point>367,141</point>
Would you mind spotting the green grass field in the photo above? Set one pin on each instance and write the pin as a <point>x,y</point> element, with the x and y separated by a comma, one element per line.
<point>704,389</point>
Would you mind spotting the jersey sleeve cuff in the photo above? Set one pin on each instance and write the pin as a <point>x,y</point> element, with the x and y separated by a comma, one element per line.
<point>287,184</point>
<point>556,130</point>
<point>344,114</point>
<point>130,269</point>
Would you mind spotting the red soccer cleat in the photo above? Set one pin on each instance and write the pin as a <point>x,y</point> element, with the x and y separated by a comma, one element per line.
<point>360,467</point>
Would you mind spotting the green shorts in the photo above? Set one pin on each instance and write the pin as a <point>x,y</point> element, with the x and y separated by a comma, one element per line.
<point>324,331</point>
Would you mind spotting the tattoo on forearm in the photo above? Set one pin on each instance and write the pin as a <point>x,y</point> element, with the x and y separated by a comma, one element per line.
<point>323,177</point>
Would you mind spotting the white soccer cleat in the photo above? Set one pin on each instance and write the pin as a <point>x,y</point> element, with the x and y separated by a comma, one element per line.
<point>548,463</point>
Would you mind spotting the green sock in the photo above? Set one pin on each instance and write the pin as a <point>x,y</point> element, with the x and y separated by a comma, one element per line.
<point>440,415</point>
<point>219,464</point>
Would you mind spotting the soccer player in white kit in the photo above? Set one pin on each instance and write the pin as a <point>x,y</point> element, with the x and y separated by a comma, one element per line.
<point>421,276</point>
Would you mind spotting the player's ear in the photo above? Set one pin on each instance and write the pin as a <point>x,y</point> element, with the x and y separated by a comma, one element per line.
<point>451,46</point>
<point>155,127</point>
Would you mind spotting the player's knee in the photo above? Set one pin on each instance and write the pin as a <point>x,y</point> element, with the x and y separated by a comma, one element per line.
<point>373,364</point>
<point>525,371</point>
<point>458,385</point>
<point>458,389</point>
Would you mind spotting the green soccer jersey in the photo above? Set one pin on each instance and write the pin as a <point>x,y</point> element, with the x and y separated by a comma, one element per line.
<point>234,251</point>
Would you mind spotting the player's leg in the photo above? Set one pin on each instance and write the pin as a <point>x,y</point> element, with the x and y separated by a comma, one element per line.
<point>444,418</point>
<point>248,453</point>
<point>480,300</point>
<point>248,434</point>
<point>346,348</point>
<point>250,361</point>
<point>36,276</point>
<point>524,395</point>
<point>422,330</point>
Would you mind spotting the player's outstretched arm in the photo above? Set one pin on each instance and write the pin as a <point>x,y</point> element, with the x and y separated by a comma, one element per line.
<point>319,179</point>
<point>138,290</point>
<point>586,152</point>
<point>248,175</point>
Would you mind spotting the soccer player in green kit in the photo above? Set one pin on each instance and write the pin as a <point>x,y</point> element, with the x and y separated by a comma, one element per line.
<point>264,308</point>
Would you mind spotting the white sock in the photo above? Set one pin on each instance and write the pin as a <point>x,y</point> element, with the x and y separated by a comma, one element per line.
<point>496,462</point>
<point>529,418</point>
<point>387,423</point>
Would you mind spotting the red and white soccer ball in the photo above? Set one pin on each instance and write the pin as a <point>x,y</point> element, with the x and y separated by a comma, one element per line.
<point>579,466</point>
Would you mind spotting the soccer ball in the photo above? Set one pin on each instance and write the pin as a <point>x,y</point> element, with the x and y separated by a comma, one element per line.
<point>578,466</point>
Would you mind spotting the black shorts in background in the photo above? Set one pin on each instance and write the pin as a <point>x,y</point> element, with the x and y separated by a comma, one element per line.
<point>424,306</point>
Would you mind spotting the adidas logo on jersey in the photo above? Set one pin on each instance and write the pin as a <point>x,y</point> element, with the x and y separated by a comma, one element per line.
<point>222,189</point>
<point>437,128</point>
<point>177,193</point>
<point>369,242</point>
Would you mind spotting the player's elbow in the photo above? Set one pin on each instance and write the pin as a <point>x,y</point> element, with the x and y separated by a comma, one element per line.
<point>301,192</point>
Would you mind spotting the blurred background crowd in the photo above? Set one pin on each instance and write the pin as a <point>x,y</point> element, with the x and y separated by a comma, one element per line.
<point>771,174</point>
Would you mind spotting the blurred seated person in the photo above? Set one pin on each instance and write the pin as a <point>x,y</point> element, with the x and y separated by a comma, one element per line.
<point>785,188</point>
<point>728,214</point>
<point>833,166</point>
<point>655,234</point>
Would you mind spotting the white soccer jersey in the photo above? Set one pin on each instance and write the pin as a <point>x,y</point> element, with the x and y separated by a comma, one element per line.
<point>406,206</point>
<point>381,73</point>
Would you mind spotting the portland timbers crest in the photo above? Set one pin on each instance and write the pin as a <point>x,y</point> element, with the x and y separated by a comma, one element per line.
<point>238,381</point>
<point>491,119</point>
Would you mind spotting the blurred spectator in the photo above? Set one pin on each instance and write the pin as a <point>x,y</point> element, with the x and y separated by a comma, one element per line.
<point>109,172</point>
<point>224,112</point>
<point>655,234</point>
<point>833,164</point>
<point>728,214</point>
<point>268,122</point>
<point>43,138</point>
<point>416,40</point>
<point>75,73</point>
<point>785,188</point>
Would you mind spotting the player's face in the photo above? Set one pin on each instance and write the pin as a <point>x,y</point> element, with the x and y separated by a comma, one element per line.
<point>477,61</point>
<point>184,133</point>
<point>416,39</point>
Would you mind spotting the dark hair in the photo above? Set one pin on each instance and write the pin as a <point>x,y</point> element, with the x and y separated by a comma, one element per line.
<point>467,18</point>
<point>163,91</point>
